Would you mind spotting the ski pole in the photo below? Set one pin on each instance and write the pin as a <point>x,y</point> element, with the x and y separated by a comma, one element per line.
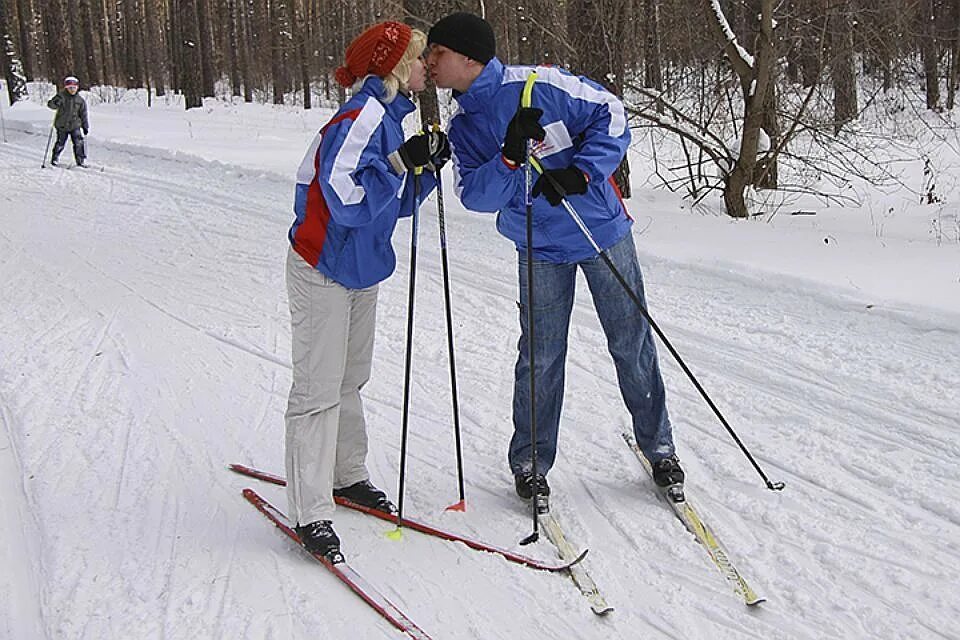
<point>525,99</point>
<point>459,506</point>
<point>773,486</point>
<point>397,533</point>
<point>43,165</point>
<point>3,123</point>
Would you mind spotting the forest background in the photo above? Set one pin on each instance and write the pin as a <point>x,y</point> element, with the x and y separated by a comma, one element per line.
<point>762,95</point>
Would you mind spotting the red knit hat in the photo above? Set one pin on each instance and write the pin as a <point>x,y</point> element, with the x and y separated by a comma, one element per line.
<point>377,50</point>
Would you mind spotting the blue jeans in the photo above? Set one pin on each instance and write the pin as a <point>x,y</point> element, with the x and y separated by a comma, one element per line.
<point>629,340</point>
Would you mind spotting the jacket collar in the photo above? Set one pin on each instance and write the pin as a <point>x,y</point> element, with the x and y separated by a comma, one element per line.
<point>397,109</point>
<point>482,91</point>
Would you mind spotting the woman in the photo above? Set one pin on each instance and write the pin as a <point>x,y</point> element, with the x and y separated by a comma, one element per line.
<point>353,184</point>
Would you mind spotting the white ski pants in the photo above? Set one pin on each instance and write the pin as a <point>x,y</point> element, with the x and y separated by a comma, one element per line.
<point>332,344</point>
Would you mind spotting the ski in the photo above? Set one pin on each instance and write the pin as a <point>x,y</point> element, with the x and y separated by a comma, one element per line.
<point>569,561</point>
<point>342,571</point>
<point>685,512</point>
<point>589,589</point>
<point>87,167</point>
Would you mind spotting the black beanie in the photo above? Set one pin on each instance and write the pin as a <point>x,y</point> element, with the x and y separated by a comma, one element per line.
<point>465,33</point>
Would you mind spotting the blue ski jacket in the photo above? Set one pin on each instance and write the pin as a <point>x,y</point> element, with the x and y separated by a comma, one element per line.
<point>586,127</point>
<point>348,197</point>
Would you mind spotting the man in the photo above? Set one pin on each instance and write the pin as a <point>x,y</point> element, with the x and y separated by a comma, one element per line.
<point>582,136</point>
<point>71,120</point>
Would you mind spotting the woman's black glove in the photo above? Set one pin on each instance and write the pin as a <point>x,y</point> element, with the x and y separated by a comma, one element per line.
<point>420,151</point>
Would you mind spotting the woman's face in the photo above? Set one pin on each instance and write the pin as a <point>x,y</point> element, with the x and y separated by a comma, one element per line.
<point>418,76</point>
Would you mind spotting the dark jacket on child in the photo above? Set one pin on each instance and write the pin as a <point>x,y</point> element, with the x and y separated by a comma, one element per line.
<point>71,111</point>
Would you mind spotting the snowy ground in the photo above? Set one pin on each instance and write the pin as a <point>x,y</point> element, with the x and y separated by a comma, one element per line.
<point>144,344</point>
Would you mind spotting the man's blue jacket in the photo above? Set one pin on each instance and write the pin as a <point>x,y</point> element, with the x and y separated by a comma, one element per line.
<point>586,127</point>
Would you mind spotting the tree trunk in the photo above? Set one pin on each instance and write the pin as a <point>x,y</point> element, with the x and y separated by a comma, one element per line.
<point>157,63</point>
<point>278,49</point>
<point>27,40</point>
<point>734,186</point>
<point>190,47</point>
<point>845,103</point>
<point>57,53</point>
<point>954,73</point>
<point>929,52</point>
<point>233,46</point>
<point>205,39</point>
<point>756,81</point>
<point>599,56</point>
<point>93,70</point>
<point>652,64</point>
<point>16,82</point>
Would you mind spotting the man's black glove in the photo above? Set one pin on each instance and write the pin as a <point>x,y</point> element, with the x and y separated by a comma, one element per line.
<point>571,180</point>
<point>524,126</point>
<point>86,131</point>
<point>420,150</point>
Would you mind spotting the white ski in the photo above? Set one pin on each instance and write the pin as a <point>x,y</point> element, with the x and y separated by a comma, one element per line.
<point>598,604</point>
<point>690,518</point>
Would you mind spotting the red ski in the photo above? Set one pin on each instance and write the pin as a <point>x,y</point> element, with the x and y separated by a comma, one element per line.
<point>425,528</point>
<point>343,572</point>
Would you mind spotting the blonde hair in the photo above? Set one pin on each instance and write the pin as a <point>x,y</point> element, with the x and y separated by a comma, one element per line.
<point>400,75</point>
<point>398,78</point>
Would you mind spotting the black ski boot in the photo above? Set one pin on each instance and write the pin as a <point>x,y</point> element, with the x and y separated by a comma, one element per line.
<point>668,475</point>
<point>366,495</point>
<point>524,483</point>
<point>319,537</point>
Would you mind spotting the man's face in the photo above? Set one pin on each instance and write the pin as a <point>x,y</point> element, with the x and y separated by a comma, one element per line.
<point>451,70</point>
<point>72,88</point>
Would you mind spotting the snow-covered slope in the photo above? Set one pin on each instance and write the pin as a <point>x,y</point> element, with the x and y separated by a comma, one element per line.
<point>144,345</point>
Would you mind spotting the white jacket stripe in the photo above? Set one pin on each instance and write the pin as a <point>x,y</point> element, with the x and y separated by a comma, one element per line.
<point>341,174</point>
<point>307,169</point>
<point>573,86</point>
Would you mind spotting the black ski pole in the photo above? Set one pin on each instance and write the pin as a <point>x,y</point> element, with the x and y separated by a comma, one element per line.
<point>462,505</point>
<point>773,486</point>
<point>398,532</point>
<point>528,186</point>
<point>43,165</point>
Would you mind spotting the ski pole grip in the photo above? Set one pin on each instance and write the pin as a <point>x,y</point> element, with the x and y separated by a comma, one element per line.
<point>526,100</point>
<point>526,97</point>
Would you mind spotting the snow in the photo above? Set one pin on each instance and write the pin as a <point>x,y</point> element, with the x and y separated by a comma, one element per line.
<point>145,344</point>
<point>728,34</point>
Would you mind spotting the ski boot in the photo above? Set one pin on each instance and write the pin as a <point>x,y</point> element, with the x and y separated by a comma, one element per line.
<point>524,483</point>
<point>668,475</point>
<point>320,538</point>
<point>366,495</point>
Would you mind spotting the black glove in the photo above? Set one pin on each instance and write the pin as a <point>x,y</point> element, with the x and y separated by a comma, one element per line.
<point>571,180</point>
<point>421,149</point>
<point>86,131</point>
<point>442,153</point>
<point>524,126</point>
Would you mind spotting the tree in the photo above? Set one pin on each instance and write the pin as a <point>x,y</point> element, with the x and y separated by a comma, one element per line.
<point>598,53</point>
<point>842,66</point>
<point>16,81</point>
<point>756,75</point>
<point>930,52</point>
<point>190,69</point>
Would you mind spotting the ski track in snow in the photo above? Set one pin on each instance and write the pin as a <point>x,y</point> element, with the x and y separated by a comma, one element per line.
<point>145,346</point>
